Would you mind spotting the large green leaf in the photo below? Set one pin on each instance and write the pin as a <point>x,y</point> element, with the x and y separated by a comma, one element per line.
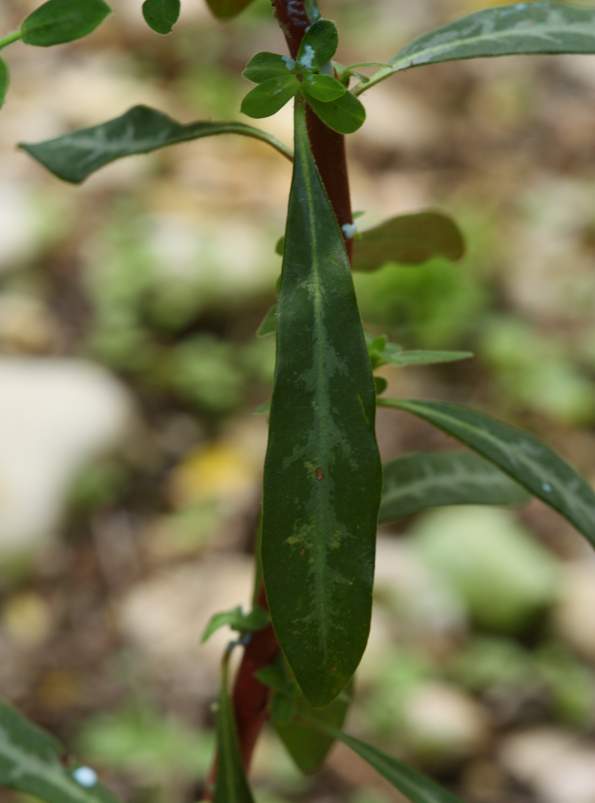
<point>417,788</point>
<point>518,29</point>
<point>4,80</point>
<point>322,471</point>
<point>231,785</point>
<point>409,240</point>
<point>532,464</point>
<point>74,157</point>
<point>226,9</point>
<point>424,480</point>
<point>30,763</point>
<point>59,21</point>
<point>161,15</point>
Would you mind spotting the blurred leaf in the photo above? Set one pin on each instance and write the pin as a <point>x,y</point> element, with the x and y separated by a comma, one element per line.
<point>319,44</point>
<point>269,96</point>
<point>268,325</point>
<point>161,15</point>
<point>408,240</point>
<point>225,9</point>
<point>236,619</point>
<point>74,157</point>
<point>344,115</point>
<point>421,480</point>
<point>4,81</point>
<point>518,29</point>
<point>520,455</point>
<point>30,762</point>
<point>322,472</point>
<point>324,88</point>
<point>264,66</point>
<point>59,21</point>
<point>231,785</point>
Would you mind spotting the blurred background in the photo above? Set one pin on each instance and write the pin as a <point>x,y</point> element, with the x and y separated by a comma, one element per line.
<point>130,377</point>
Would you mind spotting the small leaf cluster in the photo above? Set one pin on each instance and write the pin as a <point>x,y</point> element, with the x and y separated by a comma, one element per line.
<point>310,75</point>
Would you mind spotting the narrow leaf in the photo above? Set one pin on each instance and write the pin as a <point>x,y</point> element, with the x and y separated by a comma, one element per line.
<point>236,619</point>
<point>270,96</point>
<point>161,15</point>
<point>74,157</point>
<point>59,21</point>
<point>231,785</point>
<point>532,464</point>
<point>322,472</point>
<point>264,66</point>
<point>323,87</point>
<point>318,45</point>
<point>392,354</point>
<point>344,115</point>
<point>517,29</point>
<point>30,763</point>
<point>4,81</point>
<point>268,325</point>
<point>408,240</point>
<point>226,9</point>
<point>420,481</point>
<point>416,787</point>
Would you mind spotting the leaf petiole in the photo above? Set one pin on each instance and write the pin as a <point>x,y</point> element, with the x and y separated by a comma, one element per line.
<point>10,38</point>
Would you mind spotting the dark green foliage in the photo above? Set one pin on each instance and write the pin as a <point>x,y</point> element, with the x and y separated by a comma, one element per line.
<point>60,21</point>
<point>161,15</point>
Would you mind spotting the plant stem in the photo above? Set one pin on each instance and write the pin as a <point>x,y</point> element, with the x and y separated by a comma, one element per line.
<point>10,38</point>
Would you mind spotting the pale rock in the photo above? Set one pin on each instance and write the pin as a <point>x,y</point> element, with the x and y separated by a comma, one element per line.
<point>18,224</point>
<point>573,614</point>
<point>56,416</point>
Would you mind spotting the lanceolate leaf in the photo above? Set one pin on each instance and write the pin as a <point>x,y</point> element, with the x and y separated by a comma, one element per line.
<point>161,15</point>
<point>225,9</point>
<point>417,788</point>
<point>532,464</point>
<point>4,80</point>
<point>408,240</point>
<point>74,157</point>
<point>59,21</point>
<point>30,763</point>
<point>322,471</point>
<point>518,29</point>
<point>425,480</point>
<point>231,785</point>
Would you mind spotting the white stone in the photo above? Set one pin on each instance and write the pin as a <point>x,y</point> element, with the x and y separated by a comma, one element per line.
<point>573,615</point>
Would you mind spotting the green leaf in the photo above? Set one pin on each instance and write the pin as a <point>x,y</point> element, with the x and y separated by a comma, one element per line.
<point>59,21</point>
<point>344,115</point>
<point>323,87</point>
<point>424,480</point>
<point>417,788</point>
<point>520,455</point>
<point>161,15</point>
<point>231,785</point>
<point>236,619</point>
<point>30,763</point>
<point>268,325</point>
<point>408,240</point>
<point>4,81</point>
<point>226,9</point>
<point>318,45</point>
<point>264,66</point>
<point>519,29</point>
<point>391,354</point>
<point>322,471</point>
<point>270,96</point>
<point>74,157</point>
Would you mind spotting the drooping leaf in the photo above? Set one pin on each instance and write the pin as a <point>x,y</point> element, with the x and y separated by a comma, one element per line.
<point>264,66</point>
<point>344,115</point>
<point>322,472</point>
<point>417,788</point>
<point>161,15</point>
<point>516,452</point>
<point>231,785</point>
<point>74,157</point>
<point>323,87</point>
<point>236,619</point>
<point>4,81</point>
<point>59,21</point>
<point>425,480</point>
<point>271,95</point>
<point>226,9</point>
<point>319,44</point>
<point>30,763</point>
<point>408,240</point>
<point>517,29</point>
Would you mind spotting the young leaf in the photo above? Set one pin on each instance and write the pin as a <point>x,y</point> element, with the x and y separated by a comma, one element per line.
<point>231,785</point>
<point>323,87</point>
<point>236,619</point>
<point>409,240</point>
<point>264,66</point>
<point>161,15</point>
<point>226,9</point>
<point>4,81</point>
<point>392,354</point>
<point>417,788</point>
<point>318,45</point>
<point>30,763</point>
<point>424,480</point>
<point>74,157</point>
<point>322,471</point>
<point>270,96</point>
<point>59,21</point>
<point>520,455</point>
<point>520,29</point>
<point>344,115</point>
<point>268,325</point>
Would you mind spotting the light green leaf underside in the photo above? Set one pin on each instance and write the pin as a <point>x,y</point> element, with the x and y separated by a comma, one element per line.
<point>519,29</point>
<point>396,356</point>
<point>322,470</point>
<point>532,464</point>
<point>30,763</point>
<point>425,480</point>
<point>74,157</point>
<point>231,785</point>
